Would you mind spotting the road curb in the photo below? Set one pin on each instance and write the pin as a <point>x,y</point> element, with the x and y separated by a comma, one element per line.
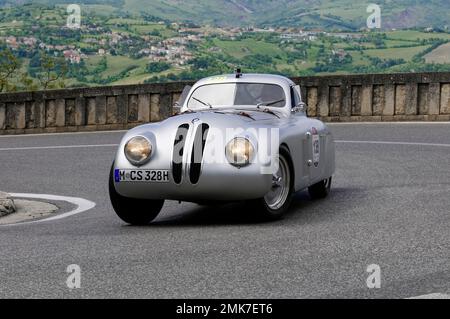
<point>28,210</point>
<point>7,205</point>
<point>81,205</point>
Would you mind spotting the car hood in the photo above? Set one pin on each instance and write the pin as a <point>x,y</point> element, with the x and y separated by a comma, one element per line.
<point>220,119</point>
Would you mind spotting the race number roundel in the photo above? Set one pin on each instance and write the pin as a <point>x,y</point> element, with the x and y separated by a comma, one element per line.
<point>315,146</point>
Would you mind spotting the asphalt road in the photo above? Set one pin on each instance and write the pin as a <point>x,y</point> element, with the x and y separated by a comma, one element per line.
<point>390,206</point>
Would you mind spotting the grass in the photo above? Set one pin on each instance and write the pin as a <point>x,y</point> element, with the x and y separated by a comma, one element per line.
<point>116,64</point>
<point>99,9</point>
<point>125,21</point>
<point>204,11</point>
<point>411,35</point>
<point>348,13</point>
<point>11,25</point>
<point>399,43</point>
<point>396,53</point>
<point>157,8</point>
<point>241,49</point>
<point>439,55</point>
<point>148,28</point>
<point>140,27</point>
<point>358,59</point>
<point>141,75</point>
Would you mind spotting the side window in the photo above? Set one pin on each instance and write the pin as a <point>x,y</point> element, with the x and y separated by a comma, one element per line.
<point>295,97</point>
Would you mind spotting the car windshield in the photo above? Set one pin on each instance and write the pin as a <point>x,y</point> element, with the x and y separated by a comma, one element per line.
<point>230,94</point>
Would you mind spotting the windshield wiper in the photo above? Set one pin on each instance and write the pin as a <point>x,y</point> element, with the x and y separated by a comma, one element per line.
<point>204,103</point>
<point>242,113</point>
<point>266,110</point>
<point>268,103</point>
<point>189,111</point>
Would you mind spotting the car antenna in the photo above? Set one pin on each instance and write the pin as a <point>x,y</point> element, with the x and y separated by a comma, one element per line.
<point>238,73</point>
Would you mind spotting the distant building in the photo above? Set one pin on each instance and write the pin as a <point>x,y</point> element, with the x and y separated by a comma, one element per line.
<point>340,54</point>
<point>302,36</point>
<point>215,49</point>
<point>31,42</point>
<point>346,36</point>
<point>11,42</point>
<point>72,56</point>
<point>59,47</point>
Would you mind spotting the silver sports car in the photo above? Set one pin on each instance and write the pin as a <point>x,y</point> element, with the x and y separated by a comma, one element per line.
<point>239,137</point>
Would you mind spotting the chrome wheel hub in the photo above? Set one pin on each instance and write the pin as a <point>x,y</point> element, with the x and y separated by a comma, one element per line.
<point>279,192</point>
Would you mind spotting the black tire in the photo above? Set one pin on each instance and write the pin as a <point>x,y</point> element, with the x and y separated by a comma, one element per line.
<point>320,189</point>
<point>130,210</point>
<point>262,210</point>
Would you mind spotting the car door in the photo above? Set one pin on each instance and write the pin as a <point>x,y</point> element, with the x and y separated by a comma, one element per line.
<point>302,141</point>
<point>311,141</point>
<point>315,148</point>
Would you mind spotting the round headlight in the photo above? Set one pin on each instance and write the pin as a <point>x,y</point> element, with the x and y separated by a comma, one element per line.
<point>239,152</point>
<point>138,150</point>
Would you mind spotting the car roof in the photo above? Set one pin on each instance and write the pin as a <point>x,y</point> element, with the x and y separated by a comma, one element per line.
<point>247,77</point>
<point>282,81</point>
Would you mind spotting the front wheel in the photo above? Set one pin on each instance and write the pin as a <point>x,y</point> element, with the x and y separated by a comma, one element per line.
<point>278,200</point>
<point>131,210</point>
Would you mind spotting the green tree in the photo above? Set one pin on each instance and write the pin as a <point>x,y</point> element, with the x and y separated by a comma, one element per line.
<point>9,64</point>
<point>157,67</point>
<point>27,83</point>
<point>52,73</point>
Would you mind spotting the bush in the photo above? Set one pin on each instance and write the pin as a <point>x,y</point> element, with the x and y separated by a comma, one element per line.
<point>157,67</point>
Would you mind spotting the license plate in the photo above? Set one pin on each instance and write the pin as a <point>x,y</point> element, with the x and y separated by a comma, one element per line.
<point>149,176</point>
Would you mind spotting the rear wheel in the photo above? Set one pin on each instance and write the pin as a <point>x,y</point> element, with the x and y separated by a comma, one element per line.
<point>320,189</point>
<point>131,210</point>
<point>277,201</point>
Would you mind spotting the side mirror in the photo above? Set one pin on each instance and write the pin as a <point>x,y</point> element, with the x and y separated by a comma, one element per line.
<point>179,104</point>
<point>176,108</point>
<point>300,108</point>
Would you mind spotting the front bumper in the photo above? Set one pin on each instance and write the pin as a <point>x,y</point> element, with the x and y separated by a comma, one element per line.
<point>217,182</point>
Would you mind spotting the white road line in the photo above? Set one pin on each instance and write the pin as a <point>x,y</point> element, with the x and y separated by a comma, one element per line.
<point>82,205</point>
<point>61,133</point>
<point>393,143</point>
<point>432,296</point>
<point>56,147</point>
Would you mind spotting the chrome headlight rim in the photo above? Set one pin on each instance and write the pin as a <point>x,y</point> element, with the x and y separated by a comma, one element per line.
<point>144,160</point>
<point>230,158</point>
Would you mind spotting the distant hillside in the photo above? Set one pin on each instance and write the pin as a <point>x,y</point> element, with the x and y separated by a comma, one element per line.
<point>336,14</point>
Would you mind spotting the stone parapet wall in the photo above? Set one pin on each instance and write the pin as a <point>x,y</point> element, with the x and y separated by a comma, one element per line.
<point>380,97</point>
<point>340,98</point>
